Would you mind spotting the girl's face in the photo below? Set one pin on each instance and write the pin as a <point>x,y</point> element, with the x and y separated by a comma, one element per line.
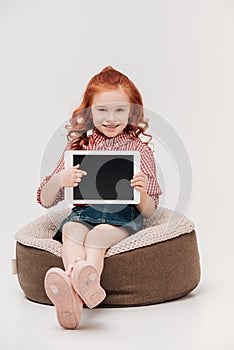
<point>110,110</point>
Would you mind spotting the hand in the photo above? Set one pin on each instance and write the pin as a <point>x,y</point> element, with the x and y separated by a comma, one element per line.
<point>71,177</point>
<point>140,182</point>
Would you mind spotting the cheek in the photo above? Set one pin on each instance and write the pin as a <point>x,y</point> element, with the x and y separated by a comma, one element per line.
<point>126,119</point>
<point>97,119</point>
<point>123,117</point>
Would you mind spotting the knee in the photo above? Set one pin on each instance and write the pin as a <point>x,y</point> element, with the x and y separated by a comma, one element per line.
<point>73,231</point>
<point>98,236</point>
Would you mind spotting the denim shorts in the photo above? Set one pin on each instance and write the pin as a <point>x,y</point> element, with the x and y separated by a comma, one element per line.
<point>126,216</point>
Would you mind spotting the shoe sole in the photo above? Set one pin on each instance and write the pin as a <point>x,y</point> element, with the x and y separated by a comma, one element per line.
<point>60,292</point>
<point>86,282</point>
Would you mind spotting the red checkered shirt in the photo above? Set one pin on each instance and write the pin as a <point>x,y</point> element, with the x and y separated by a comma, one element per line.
<point>122,142</point>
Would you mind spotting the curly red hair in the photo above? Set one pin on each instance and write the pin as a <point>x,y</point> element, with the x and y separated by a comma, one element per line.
<point>109,78</point>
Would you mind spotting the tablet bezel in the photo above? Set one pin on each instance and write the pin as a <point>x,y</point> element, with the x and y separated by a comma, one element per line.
<point>68,163</point>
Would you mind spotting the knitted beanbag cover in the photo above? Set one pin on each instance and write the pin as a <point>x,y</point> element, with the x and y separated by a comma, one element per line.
<point>157,264</point>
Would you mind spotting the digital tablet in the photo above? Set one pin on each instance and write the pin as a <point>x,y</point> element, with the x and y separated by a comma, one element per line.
<point>108,177</point>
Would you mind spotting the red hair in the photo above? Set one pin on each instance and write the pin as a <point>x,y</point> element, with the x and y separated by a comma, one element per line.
<point>108,79</point>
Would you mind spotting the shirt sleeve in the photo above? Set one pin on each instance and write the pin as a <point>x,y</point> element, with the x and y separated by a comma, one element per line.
<point>60,194</point>
<point>148,167</point>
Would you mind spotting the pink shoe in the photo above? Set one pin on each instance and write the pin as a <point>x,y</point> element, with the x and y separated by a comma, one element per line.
<point>85,279</point>
<point>68,305</point>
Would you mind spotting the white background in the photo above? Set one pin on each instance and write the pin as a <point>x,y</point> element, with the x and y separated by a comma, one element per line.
<point>180,55</point>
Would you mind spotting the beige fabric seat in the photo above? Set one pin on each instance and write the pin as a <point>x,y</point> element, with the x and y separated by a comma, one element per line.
<point>159,263</point>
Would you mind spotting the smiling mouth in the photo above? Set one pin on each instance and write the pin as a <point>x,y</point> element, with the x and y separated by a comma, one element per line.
<point>109,126</point>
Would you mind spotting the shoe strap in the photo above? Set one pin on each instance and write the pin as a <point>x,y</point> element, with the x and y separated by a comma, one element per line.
<point>70,267</point>
<point>69,270</point>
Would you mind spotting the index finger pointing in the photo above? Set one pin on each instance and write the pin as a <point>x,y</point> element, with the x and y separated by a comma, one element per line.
<point>83,172</point>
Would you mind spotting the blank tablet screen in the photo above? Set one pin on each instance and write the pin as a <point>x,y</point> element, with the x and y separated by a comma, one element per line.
<point>108,177</point>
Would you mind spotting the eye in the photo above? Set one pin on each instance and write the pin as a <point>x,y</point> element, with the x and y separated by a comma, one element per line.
<point>101,109</point>
<point>120,109</point>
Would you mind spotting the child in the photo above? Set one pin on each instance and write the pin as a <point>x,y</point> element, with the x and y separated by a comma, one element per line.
<point>112,110</point>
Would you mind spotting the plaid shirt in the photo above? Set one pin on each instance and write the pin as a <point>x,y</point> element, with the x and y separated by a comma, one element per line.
<point>122,142</point>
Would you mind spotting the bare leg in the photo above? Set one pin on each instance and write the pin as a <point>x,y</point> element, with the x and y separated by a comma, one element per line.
<point>85,275</point>
<point>96,257</point>
<point>74,235</point>
<point>99,239</point>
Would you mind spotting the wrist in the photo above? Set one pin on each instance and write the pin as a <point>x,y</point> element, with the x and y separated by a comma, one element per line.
<point>144,196</point>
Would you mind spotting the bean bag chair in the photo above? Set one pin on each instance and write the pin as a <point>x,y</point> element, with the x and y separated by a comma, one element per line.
<point>157,264</point>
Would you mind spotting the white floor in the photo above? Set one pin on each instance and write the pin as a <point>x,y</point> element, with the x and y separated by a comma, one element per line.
<point>202,320</point>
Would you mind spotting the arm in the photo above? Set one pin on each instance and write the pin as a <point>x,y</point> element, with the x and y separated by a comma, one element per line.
<point>146,206</point>
<point>146,183</point>
<point>50,191</point>
<point>69,177</point>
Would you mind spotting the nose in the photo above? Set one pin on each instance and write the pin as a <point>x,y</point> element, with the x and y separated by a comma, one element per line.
<point>111,116</point>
